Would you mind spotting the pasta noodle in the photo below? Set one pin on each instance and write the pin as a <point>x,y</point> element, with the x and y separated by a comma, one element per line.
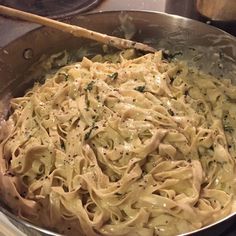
<point>137,146</point>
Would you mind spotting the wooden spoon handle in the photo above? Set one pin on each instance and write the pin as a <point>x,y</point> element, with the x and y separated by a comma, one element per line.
<point>75,30</point>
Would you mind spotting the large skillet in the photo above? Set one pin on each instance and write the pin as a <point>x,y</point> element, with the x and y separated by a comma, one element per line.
<point>211,49</point>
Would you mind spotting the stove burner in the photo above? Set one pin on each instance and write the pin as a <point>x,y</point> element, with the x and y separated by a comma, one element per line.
<point>52,8</point>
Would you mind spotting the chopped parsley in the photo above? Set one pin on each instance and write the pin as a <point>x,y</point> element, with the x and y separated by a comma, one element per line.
<point>87,102</point>
<point>170,112</point>
<point>228,128</point>
<point>140,88</point>
<point>169,56</point>
<point>90,86</point>
<point>88,134</point>
<point>113,76</point>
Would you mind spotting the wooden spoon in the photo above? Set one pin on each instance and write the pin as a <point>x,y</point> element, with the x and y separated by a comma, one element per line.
<point>75,30</point>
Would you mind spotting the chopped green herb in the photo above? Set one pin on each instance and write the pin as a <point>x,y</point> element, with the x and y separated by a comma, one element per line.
<point>87,135</point>
<point>90,86</point>
<point>87,101</point>
<point>228,128</point>
<point>211,148</point>
<point>168,56</point>
<point>120,195</point>
<point>140,88</point>
<point>178,72</point>
<point>186,93</point>
<point>113,76</point>
<point>171,112</point>
<point>62,144</point>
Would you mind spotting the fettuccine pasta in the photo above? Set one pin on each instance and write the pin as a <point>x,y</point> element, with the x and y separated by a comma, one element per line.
<point>136,147</point>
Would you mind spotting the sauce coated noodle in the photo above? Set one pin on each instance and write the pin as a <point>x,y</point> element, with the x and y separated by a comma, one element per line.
<point>142,146</point>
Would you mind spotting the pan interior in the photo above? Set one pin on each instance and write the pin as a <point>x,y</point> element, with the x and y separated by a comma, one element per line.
<point>206,47</point>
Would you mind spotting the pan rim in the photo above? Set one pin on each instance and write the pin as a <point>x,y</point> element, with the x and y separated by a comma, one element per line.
<point>171,16</point>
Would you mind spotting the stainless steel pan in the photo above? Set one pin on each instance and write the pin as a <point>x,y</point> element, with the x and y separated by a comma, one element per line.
<point>211,49</point>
